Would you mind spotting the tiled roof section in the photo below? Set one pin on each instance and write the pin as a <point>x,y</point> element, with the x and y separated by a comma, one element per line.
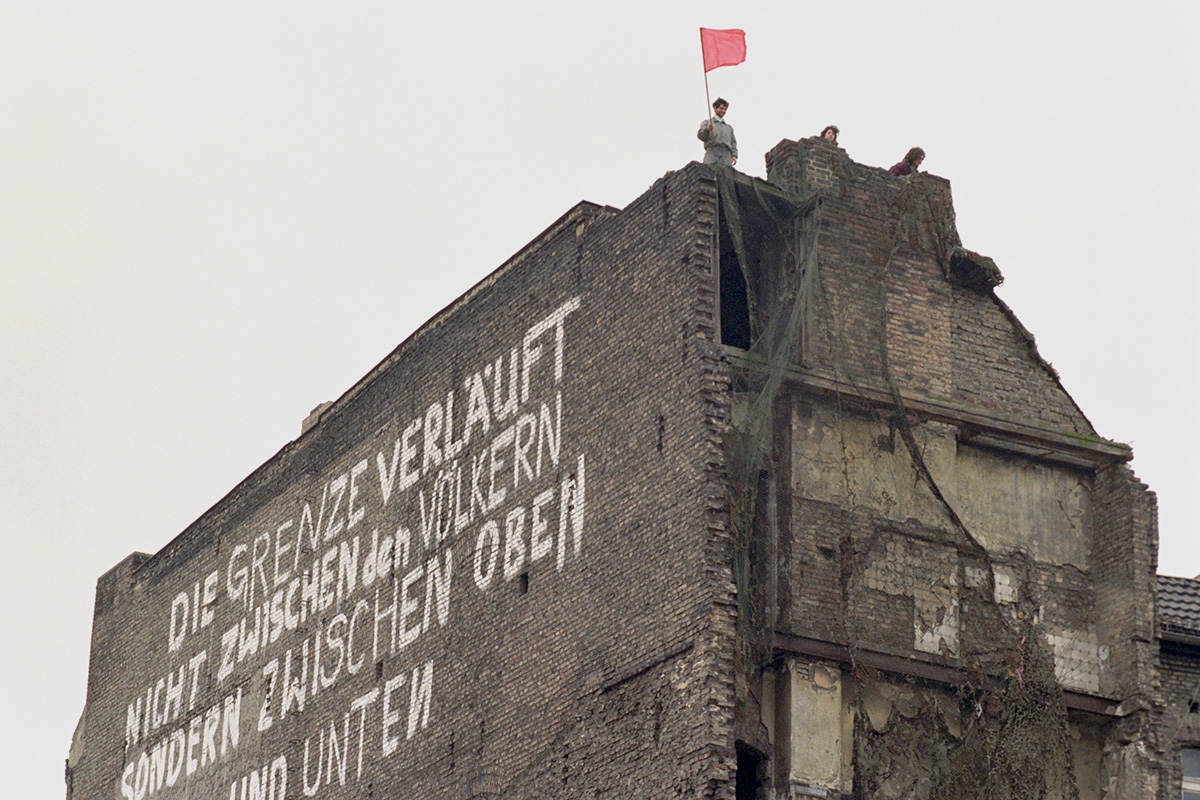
<point>1178,606</point>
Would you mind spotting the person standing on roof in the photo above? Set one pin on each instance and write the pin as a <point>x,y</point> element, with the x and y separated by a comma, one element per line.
<point>830,133</point>
<point>720,145</point>
<point>911,161</point>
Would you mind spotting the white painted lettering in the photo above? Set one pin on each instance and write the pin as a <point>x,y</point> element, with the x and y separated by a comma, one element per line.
<point>408,454</point>
<point>347,574</point>
<point>194,665</point>
<point>451,447</point>
<point>141,783</point>
<point>229,641</point>
<point>361,704</point>
<point>157,717</point>
<point>175,757</point>
<point>158,766</point>
<point>477,407</point>
<point>338,752</point>
<point>133,722</point>
<point>433,431</point>
<point>270,673</point>
<point>533,351</point>
<point>549,434</point>
<point>386,613</point>
<point>387,477</point>
<point>281,548</point>
<point>328,574</point>
<point>514,543</point>
<point>179,621</point>
<point>521,445</point>
<point>313,527</point>
<point>294,689</point>
<point>126,786</point>
<point>355,514</point>
<point>502,440</point>
<point>352,666</point>
<point>207,613</point>
<point>501,410</point>
<point>422,698</point>
<point>437,589</point>
<point>261,542</point>
<point>193,741</point>
<point>391,718</point>
<point>208,748</point>
<point>335,641</point>
<point>541,541</point>
<point>232,720</point>
<point>291,616</point>
<point>408,607</point>
<point>485,564</point>
<point>479,506</point>
<point>310,789</point>
<point>173,703</point>
<point>337,488</point>
<point>571,505</point>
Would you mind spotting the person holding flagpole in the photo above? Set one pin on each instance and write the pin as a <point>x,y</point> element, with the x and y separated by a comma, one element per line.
<point>721,48</point>
<point>720,145</point>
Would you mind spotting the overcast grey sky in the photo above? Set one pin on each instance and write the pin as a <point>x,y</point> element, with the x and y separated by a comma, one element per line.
<point>214,216</point>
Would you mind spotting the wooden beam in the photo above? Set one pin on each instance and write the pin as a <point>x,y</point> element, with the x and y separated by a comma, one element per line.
<point>786,643</point>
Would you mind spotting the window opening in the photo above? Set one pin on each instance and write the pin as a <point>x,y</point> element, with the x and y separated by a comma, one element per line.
<point>758,262</point>
<point>735,305</point>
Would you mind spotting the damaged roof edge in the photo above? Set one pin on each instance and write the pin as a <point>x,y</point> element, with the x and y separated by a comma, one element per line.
<point>1031,344</point>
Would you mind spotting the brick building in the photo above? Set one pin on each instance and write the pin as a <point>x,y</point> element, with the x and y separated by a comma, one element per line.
<point>1179,641</point>
<point>750,489</point>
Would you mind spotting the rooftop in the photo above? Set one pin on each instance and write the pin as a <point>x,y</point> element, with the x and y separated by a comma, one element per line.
<point>1179,609</point>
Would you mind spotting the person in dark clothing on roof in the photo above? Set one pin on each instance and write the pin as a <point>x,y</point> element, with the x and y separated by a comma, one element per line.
<point>911,161</point>
<point>830,133</point>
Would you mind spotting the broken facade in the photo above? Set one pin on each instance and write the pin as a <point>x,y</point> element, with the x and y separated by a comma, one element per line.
<point>1179,657</point>
<point>750,489</point>
<point>957,576</point>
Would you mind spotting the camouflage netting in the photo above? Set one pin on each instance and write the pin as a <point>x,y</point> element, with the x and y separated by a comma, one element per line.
<point>791,227</point>
<point>1000,734</point>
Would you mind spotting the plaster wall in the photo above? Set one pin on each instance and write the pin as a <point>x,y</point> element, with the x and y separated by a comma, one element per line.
<point>819,744</point>
<point>1008,503</point>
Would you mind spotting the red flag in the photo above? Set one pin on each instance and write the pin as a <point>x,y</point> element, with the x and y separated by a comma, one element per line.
<point>722,48</point>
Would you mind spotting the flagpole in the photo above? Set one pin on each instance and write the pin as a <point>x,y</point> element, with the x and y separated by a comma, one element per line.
<point>708,107</point>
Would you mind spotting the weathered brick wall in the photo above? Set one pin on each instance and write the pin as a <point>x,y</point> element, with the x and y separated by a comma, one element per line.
<point>993,368</point>
<point>499,566</point>
<point>885,245</point>
<point>1180,720</point>
<point>1124,561</point>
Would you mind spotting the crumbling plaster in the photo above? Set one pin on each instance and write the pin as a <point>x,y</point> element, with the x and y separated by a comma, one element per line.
<point>1019,510</point>
<point>1009,504</point>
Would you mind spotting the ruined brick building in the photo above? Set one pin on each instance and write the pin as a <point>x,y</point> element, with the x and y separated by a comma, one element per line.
<point>752,489</point>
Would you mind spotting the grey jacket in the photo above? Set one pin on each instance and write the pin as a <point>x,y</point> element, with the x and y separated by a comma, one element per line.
<point>720,137</point>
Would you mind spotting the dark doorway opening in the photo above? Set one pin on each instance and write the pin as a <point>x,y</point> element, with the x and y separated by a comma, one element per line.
<point>751,765</point>
<point>735,305</point>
